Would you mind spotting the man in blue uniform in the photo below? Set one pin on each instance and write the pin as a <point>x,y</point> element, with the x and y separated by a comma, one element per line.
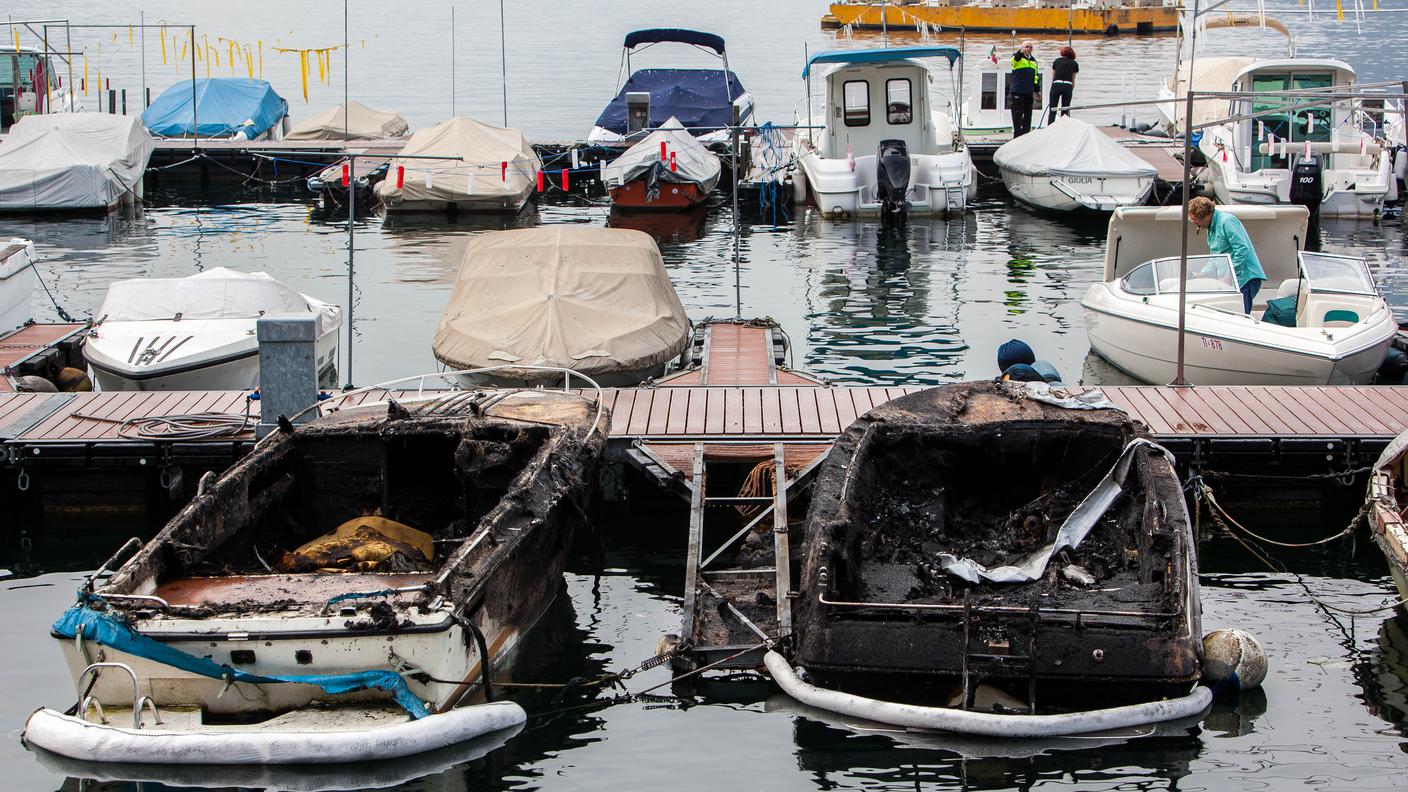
<point>1023,85</point>
<point>1226,234</point>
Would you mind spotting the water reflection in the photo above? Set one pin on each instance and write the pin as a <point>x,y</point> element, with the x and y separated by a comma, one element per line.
<point>1383,672</point>
<point>665,227</point>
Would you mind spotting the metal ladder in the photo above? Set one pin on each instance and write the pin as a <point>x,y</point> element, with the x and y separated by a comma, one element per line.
<point>716,628</point>
<point>995,659</point>
<point>87,702</point>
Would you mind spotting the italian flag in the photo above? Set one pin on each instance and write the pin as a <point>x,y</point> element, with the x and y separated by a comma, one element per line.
<point>992,54</point>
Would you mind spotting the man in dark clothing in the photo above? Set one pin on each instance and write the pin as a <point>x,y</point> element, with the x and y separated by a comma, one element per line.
<point>1063,82</point>
<point>1024,84</point>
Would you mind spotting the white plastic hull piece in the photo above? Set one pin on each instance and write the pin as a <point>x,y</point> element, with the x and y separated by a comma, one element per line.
<point>338,741</point>
<point>939,184</point>
<point>1065,193</point>
<point>17,282</point>
<point>233,367</point>
<point>1219,352</point>
<point>984,723</point>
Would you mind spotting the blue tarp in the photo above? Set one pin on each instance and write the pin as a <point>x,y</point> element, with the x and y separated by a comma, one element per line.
<point>108,630</point>
<point>681,35</point>
<point>223,105</point>
<point>880,56</point>
<point>697,97</point>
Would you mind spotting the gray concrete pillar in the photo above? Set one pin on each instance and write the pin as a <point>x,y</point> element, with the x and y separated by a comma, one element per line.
<point>288,368</point>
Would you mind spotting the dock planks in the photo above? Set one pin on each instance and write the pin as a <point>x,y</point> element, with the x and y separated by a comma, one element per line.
<point>28,341</point>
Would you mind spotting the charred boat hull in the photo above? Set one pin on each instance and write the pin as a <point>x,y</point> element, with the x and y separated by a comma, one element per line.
<point>982,472</point>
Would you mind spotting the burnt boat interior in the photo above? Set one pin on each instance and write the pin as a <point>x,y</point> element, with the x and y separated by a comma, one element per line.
<point>995,495</point>
<point>243,546</point>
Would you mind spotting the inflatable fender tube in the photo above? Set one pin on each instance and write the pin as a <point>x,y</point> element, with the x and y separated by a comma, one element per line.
<point>983,723</point>
<point>76,738</point>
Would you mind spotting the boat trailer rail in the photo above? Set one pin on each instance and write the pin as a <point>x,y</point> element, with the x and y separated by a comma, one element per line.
<point>459,395</point>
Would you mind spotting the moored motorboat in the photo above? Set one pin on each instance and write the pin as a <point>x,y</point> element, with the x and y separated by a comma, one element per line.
<point>1210,73</point>
<point>986,118</point>
<point>706,101</point>
<point>218,107</point>
<point>351,121</point>
<point>1325,156</point>
<point>461,165</point>
<point>198,332</point>
<point>1070,166</point>
<point>667,170</point>
<point>1387,501</point>
<point>597,300</point>
<point>73,162</point>
<point>1334,328</point>
<point>1074,579</point>
<point>338,592</point>
<point>877,147</point>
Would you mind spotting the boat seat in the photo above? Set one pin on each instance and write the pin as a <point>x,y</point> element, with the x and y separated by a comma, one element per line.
<point>1339,317</point>
<point>1288,287</point>
<point>261,589</point>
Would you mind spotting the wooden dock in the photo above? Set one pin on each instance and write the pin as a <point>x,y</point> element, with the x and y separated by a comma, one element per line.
<point>22,350</point>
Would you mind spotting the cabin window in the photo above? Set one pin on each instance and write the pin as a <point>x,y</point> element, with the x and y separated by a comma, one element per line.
<point>899,101</point>
<point>988,91</point>
<point>855,103</point>
<point>1304,123</point>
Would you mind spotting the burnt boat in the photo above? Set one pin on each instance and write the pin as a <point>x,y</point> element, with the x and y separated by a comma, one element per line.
<point>981,535</point>
<point>1387,501</point>
<point>337,593</point>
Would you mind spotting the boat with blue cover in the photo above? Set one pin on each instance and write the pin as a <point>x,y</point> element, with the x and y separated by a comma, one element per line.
<point>705,101</point>
<point>338,593</point>
<point>218,107</point>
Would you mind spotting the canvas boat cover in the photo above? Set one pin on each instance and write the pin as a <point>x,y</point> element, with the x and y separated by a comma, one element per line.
<point>72,161</point>
<point>480,174</point>
<point>1069,147</point>
<point>1209,74</point>
<point>217,293</point>
<point>352,121</point>
<point>596,300</point>
<point>694,162</point>
<point>699,98</point>
<point>224,106</point>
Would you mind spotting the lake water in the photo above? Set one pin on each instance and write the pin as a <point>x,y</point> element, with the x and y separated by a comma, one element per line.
<point>862,304</point>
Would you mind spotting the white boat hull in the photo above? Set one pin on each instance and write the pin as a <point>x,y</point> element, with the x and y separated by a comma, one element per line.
<point>17,282</point>
<point>1063,193</point>
<point>236,369</point>
<point>1147,348</point>
<point>939,184</point>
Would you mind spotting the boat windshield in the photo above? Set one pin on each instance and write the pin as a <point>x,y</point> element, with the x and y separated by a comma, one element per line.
<point>1325,272</point>
<point>1206,275</point>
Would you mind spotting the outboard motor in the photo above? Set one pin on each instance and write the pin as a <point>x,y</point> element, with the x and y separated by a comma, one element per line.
<point>892,178</point>
<point>1308,184</point>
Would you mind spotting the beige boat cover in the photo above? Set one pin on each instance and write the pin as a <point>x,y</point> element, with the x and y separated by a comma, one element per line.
<point>694,162</point>
<point>1209,74</point>
<point>480,176</point>
<point>596,300</point>
<point>352,121</point>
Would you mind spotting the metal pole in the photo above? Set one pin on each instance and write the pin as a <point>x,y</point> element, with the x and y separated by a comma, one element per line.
<point>737,232</point>
<point>1178,378</point>
<point>452,61</point>
<point>884,23</point>
<point>503,59</point>
<point>806,55</point>
<point>351,187</point>
<point>195,119</point>
<point>68,45</point>
<point>143,18</point>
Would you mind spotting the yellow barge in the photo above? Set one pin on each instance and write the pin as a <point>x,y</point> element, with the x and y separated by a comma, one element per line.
<point>1101,17</point>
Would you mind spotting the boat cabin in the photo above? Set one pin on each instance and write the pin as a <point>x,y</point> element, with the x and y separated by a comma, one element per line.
<point>1298,124</point>
<point>875,95</point>
<point>27,84</point>
<point>986,111</point>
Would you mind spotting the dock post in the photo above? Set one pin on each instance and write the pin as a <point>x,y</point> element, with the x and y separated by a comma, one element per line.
<point>288,368</point>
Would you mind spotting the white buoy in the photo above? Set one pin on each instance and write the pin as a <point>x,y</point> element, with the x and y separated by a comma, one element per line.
<point>1233,654</point>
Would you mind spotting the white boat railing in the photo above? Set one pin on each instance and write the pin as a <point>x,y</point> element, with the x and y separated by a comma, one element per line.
<point>419,392</point>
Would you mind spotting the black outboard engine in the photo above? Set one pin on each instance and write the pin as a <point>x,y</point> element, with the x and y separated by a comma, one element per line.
<point>892,178</point>
<point>1308,184</point>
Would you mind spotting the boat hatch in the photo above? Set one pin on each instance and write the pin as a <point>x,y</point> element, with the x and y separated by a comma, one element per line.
<point>1206,275</point>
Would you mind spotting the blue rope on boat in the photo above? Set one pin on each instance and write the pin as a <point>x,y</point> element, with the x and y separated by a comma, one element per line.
<point>770,192</point>
<point>361,595</point>
<point>110,631</point>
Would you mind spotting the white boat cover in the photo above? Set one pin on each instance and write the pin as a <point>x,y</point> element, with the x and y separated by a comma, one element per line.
<point>596,300</point>
<point>694,162</point>
<point>479,175</point>
<point>352,121</point>
<point>217,293</point>
<point>1209,74</point>
<point>1069,147</point>
<point>72,161</point>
